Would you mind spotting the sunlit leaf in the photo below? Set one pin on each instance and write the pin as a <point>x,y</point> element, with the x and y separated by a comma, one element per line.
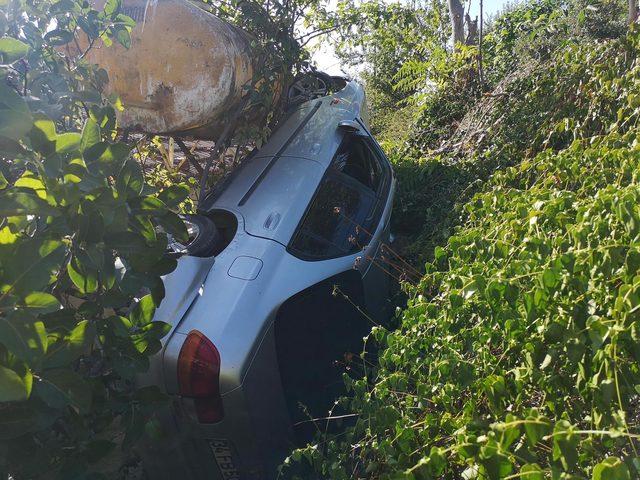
<point>143,310</point>
<point>12,50</point>
<point>12,386</point>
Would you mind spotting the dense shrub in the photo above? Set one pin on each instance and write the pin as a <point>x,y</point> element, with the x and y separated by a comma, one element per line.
<point>518,352</point>
<point>78,242</point>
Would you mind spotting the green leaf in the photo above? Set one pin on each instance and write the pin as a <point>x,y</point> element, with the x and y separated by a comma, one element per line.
<point>61,387</point>
<point>67,142</point>
<point>437,461</point>
<point>531,471</point>
<point>63,6</point>
<point>125,243</point>
<point>14,125</point>
<point>633,262</point>
<point>536,428</point>
<point>15,202</point>
<point>174,225</point>
<point>17,419</point>
<point>43,135</point>
<point>41,302</point>
<point>58,37</point>
<point>119,326</point>
<point>112,7</point>
<point>598,331</point>
<point>470,289</point>
<point>88,96</point>
<point>174,195</point>
<point>12,50</point>
<point>147,206</point>
<point>143,310</point>
<point>510,432</point>
<point>495,463</point>
<point>90,26</point>
<point>10,100</point>
<point>107,159</point>
<point>23,335</point>
<point>565,445</point>
<point>71,346</point>
<point>121,33</point>
<point>27,180</point>
<point>15,118</point>
<point>130,180</point>
<point>90,135</point>
<point>7,237</point>
<point>13,387</point>
<point>148,340</point>
<point>611,468</point>
<point>83,272</point>
<point>550,279</point>
<point>32,266</point>
<point>145,227</point>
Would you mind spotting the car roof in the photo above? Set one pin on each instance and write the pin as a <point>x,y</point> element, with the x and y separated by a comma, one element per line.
<point>273,187</point>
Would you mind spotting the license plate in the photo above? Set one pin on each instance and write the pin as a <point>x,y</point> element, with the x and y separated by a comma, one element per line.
<point>224,458</point>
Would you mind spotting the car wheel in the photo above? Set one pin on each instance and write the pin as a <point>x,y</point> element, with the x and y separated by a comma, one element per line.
<point>308,86</point>
<point>204,237</point>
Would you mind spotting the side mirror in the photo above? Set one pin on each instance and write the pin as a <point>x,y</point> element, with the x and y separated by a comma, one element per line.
<point>350,126</point>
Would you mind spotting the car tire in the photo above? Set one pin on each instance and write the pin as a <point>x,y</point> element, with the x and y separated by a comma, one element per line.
<point>204,239</point>
<point>307,86</point>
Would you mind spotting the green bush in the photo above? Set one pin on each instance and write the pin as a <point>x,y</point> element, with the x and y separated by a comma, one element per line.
<point>74,209</point>
<point>518,352</point>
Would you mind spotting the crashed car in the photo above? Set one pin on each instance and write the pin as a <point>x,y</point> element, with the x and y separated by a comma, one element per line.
<point>283,277</point>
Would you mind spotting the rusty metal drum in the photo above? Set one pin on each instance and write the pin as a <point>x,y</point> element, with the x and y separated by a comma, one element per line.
<point>184,72</point>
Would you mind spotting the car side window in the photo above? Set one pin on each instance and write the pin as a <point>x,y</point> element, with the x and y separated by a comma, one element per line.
<point>330,226</point>
<point>348,204</point>
<point>356,158</point>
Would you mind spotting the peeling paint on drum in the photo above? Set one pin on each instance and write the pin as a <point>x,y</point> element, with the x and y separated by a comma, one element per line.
<point>183,73</point>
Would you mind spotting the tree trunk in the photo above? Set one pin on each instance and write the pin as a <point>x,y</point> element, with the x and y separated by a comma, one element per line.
<point>456,14</point>
<point>480,69</point>
<point>633,11</point>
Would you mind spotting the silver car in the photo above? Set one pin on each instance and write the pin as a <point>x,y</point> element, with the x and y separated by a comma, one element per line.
<point>286,280</point>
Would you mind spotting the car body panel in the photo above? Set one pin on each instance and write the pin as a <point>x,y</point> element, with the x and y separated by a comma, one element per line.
<point>183,285</point>
<point>227,316</point>
<point>318,138</point>
<point>277,206</point>
<point>234,300</point>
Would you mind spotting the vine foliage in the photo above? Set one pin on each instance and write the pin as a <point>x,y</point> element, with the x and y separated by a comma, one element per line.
<point>518,353</point>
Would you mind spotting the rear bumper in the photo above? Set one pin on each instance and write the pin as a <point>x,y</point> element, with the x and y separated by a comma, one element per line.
<point>249,443</point>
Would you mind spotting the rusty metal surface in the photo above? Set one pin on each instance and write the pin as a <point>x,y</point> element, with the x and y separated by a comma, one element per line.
<point>184,72</point>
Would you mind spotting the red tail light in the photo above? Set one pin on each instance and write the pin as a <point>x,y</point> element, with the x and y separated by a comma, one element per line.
<point>199,376</point>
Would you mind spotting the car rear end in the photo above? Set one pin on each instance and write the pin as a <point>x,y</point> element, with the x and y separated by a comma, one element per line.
<point>227,417</point>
